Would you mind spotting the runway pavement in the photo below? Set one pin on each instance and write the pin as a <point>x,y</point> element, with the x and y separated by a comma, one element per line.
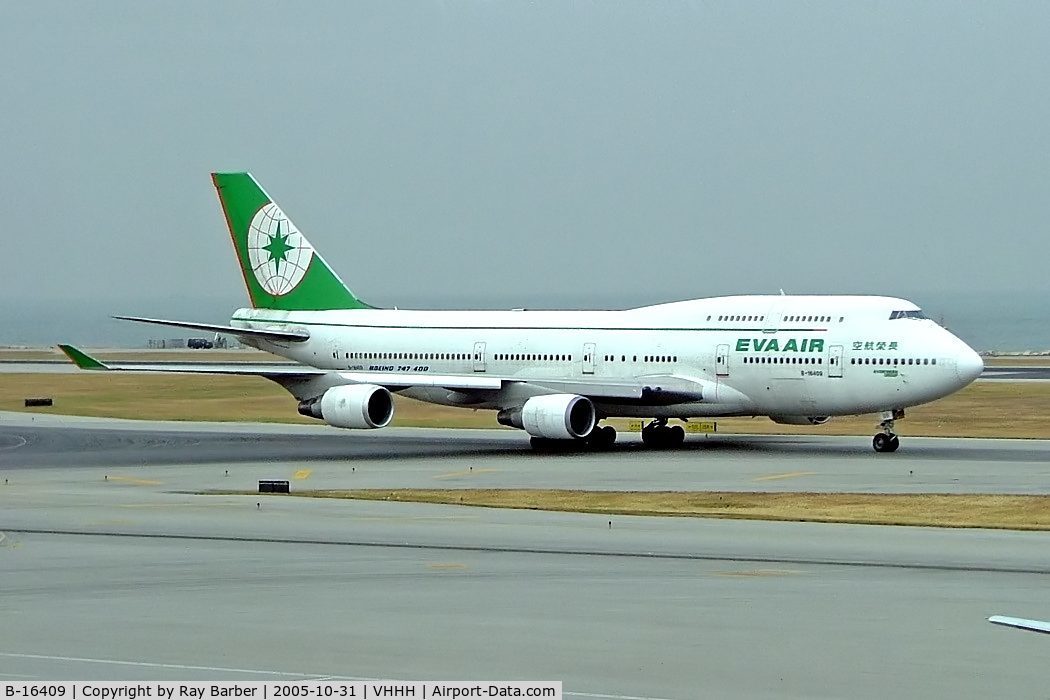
<point>111,569</point>
<point>1016,373</point>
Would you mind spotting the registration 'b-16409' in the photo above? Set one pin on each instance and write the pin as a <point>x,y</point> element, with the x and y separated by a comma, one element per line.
<point>558,374</point>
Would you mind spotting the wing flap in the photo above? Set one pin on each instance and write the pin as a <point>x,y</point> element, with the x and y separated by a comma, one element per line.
<point>655,390</point>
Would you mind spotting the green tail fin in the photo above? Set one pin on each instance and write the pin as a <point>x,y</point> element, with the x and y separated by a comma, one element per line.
<point>80,358</point>
<point>281,269</point>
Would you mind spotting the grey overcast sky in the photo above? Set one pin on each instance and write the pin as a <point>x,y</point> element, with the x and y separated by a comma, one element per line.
<point>537,154</point>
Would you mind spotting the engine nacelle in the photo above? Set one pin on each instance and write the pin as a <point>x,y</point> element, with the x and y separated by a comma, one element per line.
<point>800,420</point>
<point>554,416</point>
<point>355,406</point>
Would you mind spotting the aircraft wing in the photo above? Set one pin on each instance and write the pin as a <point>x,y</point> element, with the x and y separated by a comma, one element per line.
<point>256,369</point>
<point>1021,623</point>
<point>281,334</point>
<point>650,390</point>
<point>278,371</point>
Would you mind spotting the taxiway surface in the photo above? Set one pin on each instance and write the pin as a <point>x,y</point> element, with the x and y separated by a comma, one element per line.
<point>426,458</point>
<point>111,568</point>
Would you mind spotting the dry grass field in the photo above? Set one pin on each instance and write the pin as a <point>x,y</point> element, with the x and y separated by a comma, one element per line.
<point>930,510</point>
<point>984,409</point>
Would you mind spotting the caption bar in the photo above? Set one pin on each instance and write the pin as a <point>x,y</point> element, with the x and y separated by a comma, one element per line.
<point>260,690</point>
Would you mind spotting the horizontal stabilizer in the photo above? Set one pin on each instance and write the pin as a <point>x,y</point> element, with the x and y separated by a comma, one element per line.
<point>263,333</point>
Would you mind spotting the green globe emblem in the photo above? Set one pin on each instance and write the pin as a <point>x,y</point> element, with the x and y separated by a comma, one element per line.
<point>278,253</point>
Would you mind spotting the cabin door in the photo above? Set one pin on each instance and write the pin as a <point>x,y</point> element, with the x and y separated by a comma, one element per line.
<point>479,357</point>
<point>835,361</point>
<point>588,358</point>
<point>722,361</point>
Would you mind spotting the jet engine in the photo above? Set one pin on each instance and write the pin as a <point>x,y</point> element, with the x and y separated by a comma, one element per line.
<point>352,406</point>
<point>800,420</point>
<point>554,416</point>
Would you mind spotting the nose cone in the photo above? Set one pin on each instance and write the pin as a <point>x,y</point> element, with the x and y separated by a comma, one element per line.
<point>968,365</point>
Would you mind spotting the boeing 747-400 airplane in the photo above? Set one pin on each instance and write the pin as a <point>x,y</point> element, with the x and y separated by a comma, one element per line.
<point>558,374</point>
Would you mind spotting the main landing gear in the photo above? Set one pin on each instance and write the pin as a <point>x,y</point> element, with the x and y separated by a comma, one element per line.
<point>601,438</point>
<point>887,440</point>
<point>659,435</point>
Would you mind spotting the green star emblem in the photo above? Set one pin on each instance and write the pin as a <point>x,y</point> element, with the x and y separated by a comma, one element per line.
<point>278,249</point>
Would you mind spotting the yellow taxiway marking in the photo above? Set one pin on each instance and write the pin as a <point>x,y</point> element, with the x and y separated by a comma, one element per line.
<point>134,481</point>
<point>303,474</point>
<point>447,566</point>
<point>757,573</point>
<point>465,472</point>
<point>786,475</point>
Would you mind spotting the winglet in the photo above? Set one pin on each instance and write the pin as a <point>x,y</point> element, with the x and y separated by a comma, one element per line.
<point>80,358</point>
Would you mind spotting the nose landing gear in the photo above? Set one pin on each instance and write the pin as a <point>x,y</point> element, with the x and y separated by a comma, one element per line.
<point>887,440</point>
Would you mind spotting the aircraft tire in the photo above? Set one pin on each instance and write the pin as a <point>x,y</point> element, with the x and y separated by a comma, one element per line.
<point>885,443</point>
<point>602,438</point>
<point>675,436</point>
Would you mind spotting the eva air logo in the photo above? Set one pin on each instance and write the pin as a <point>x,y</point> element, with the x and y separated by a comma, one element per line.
<point>278,253</point>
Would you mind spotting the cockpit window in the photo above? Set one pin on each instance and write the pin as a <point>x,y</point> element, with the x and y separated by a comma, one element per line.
<point>916,313</point>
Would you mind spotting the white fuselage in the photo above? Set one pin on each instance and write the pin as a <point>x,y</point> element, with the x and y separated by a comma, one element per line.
<point>754,355</point>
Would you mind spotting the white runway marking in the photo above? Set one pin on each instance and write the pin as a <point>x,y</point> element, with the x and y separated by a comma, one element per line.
<point>177,667</point>
<point>15,447</point>
<point>222,669</point>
